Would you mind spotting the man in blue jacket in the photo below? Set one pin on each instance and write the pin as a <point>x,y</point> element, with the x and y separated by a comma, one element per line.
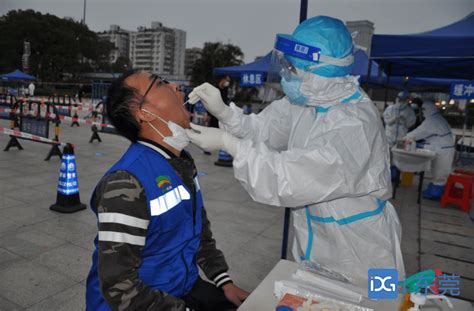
<point>153,228</point>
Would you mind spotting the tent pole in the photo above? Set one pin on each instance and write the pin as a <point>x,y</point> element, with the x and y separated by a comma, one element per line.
<point>286,222</point>
<point>367,78</point>
<point>389,69</point>
<point>303,10</point>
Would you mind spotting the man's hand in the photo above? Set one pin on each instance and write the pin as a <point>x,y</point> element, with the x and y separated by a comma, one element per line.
<point>211,97</point>
<point>234,294</point>
<point>211,139</point>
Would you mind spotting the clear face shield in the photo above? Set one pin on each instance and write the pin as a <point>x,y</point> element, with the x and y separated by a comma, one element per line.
<point>284,54</point>
<point>292,64</point>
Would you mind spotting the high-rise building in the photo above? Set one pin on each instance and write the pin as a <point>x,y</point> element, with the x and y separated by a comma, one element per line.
<point>365,31</point>
<point>158,49</point>
<point>120,38</point>
<point>192,55</point>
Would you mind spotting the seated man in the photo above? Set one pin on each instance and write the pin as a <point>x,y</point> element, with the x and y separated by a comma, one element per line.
<point>153,228</point>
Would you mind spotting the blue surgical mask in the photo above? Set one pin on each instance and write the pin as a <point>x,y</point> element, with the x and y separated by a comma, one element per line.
<point>291,88</point>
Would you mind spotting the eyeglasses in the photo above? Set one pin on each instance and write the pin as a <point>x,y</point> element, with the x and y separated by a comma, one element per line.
<point>154,78</point>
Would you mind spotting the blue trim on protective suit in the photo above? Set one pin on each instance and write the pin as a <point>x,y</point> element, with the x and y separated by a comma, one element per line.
<point>321,109</point>
<point>354,96</point>
<point>310,234</point>
<point>438,135</point>
<point>343,221</point>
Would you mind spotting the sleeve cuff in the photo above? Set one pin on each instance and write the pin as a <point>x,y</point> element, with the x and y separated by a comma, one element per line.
<point>222,279</point>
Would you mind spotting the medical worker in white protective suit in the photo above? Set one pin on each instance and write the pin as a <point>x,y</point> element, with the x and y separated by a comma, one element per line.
<point>398,118</point>
<point>320,150</point>
<point>439,138</point>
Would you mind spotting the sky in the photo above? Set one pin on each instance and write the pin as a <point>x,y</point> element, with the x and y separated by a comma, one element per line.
<point>250,24</point>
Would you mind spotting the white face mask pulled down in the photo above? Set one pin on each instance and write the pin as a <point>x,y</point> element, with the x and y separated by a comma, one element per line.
<point>178,140</point>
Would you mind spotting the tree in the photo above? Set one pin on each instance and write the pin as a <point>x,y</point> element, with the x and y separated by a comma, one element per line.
<point>122,64</point>
<point>213,55</point>
<point>58,45</point>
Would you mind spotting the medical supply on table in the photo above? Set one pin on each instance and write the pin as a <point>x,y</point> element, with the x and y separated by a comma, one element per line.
<point>316,282</point>
<point>409,145</point>
<point>322,270</point>
<point>308,292</point>
<point>293,302</point>
<point>345,290</point>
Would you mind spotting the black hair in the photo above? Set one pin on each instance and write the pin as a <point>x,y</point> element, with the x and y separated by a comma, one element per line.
<point>418,101</point>
<point>121,100</point>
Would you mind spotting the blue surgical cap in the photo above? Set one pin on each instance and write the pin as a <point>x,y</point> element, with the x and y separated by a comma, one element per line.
<point>331,36</point>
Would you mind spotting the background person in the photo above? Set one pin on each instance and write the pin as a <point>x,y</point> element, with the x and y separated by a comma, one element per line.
<point>153,227</point>
<point>416,104</point>
<point>398,118</point>
<point>320,150</point>
<point>31,89</point>
<point>438,137</point>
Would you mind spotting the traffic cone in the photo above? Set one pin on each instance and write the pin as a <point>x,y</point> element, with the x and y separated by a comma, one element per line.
<point>67,199</point>
<point>224,159</point>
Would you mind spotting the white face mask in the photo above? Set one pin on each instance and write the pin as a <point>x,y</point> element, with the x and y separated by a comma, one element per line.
<point>226,83</point>
<point>178,140</point>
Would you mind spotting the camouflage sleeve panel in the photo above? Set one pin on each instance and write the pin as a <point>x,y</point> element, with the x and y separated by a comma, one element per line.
<point>210,259</point>
<point>123,223</point>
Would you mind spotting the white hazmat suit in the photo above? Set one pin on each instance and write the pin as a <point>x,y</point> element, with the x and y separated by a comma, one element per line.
<point>398,118</point>
<point>320,150</point>
<point>439,138</point>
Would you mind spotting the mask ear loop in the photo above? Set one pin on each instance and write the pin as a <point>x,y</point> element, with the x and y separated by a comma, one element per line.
<point>152,126</point>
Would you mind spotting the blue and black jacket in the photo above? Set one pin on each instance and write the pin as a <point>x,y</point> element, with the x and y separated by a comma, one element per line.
<point>153,232</point>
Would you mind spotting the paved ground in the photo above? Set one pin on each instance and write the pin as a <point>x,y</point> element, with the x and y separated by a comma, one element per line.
<point>45,256</point>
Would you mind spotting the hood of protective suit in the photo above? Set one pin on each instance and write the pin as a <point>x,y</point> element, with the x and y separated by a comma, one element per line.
<point>429,109</point>
<point>332,37</point>
<point>323,91</point>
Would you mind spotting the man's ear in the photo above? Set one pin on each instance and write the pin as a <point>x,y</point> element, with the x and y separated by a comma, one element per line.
<point>144,116</point>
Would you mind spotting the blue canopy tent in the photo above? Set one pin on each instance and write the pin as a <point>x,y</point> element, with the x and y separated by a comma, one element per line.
<point>17,75</point>
<point>259,66</point>
<point>446,52</point>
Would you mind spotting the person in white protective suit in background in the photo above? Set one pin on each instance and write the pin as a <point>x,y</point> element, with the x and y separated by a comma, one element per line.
<point>398,118</point>
<point>439,138</point>
<point>320,150</point>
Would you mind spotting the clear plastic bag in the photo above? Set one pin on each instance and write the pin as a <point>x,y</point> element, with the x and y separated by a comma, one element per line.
<point>326,272</point>
<point>301,289</point>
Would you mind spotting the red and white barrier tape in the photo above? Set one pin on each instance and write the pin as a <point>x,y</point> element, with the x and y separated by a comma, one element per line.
<point>58,103</point>
<point>52,116</point>
<point>78,108</point>
<point>11,132</point>
<point>8,110</point>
